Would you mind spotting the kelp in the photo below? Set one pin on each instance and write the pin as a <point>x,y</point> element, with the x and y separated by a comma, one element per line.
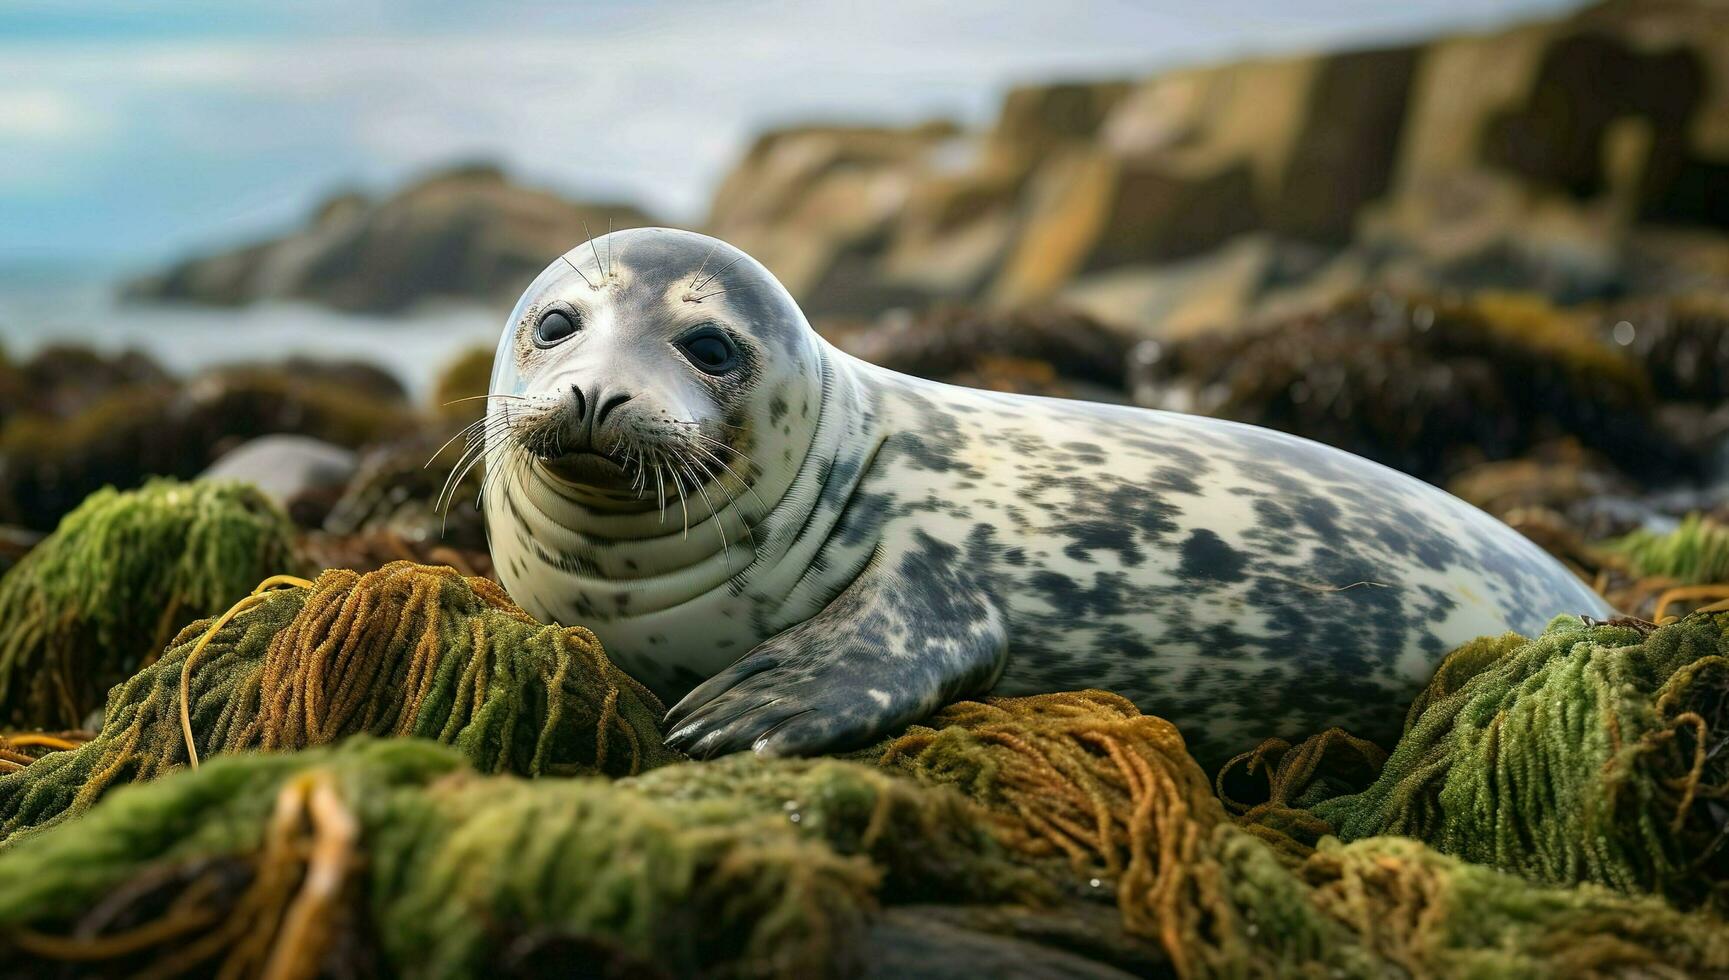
<point>408,650</point>
<point>98,598</point>
<point>273,863</point>
<point>1413,910</point>
<point>1088,779</point>
<point>1591,753</point>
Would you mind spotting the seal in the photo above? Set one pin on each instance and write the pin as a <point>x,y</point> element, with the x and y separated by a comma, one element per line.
<point>814,551</point>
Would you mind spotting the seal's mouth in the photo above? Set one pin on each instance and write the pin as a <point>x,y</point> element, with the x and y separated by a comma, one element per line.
<point>588,468</point>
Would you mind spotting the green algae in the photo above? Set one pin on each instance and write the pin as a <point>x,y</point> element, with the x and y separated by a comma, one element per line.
<point>97,599</point>
<point>1696,552</point>
<point>1553,808</point>
<point>451,868</point>
<point>408,650</point>
<point>1591,753</point>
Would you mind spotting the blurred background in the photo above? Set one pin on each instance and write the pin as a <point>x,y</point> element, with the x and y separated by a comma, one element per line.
<point>1483,241</point>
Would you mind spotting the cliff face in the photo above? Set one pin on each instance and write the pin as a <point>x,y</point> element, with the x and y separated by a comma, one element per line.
<point>1581,158</point>
<point>464,233</point>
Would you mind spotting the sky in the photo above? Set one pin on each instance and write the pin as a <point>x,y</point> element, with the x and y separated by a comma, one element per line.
<point>132,133</point>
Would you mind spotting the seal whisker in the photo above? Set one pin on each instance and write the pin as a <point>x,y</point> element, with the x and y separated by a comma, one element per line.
<point>683,504</point>
<point>741,482</point>
<point>472,398</point>
<point>467,430</point>
<point>718,272</point>
<point>579,272</point>
<point>700,265</point>
<point>660,486</point>
<point>717,292</point>
<point>719,525</point>
<point>695,424</point>
<point>472,449</point>
<point>494,472</point>
<point>471,454</point>
<point>447,496</point>
<point>730,499</point>
<point>596,250</point>
<point>741,454</point>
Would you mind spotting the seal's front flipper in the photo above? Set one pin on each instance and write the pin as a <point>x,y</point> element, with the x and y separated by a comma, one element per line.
<point>909,635</point>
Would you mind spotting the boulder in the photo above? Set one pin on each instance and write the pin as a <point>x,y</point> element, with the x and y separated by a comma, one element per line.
<point>302,475</point>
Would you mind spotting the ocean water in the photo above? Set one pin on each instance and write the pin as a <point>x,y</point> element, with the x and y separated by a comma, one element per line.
<point>47,306</point>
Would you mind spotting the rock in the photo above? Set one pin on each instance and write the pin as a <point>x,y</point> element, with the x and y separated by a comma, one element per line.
<point>459,393</point>
<point>61,379</point>
<point>1581,487</point>
<point>1036,351</point>
<point>464,233</point>
<point>400,490</point>
<point>303,475</point>
<point>48,465</point>
<point>944,943</point>
<point>1682,344</point>
<point>1581,158</point>
<point>1426,386</point>
<point>812,204</point>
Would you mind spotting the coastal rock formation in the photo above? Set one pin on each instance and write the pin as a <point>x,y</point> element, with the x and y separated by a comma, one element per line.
<point>1582,158</point>
<point>468,232</point>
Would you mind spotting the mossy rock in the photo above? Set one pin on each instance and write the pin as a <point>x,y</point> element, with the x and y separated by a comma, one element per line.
<point>99,598</point>
<point>136,432</point>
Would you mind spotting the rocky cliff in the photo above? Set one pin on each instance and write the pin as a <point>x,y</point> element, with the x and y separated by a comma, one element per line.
<point>1582,158</point>
<point>466,232</point>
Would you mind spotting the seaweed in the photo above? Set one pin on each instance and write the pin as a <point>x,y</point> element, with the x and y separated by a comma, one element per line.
<point>135,432</point>
<point>1592,753</point>
<point>459,394</point>
<point>1696,552</point>
<point>394,856</point>
<point>1429,386</point>
<point>268,857</point>
<point>408,650</point>
<point>97,599</point>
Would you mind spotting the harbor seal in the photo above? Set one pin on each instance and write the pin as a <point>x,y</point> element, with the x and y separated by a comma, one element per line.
<point>812,551</point>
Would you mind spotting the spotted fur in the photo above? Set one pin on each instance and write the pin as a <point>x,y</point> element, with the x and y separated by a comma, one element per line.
<point>911,543</point>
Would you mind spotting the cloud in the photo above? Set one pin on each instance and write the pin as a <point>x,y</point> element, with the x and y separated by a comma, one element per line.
<point>45,116</point>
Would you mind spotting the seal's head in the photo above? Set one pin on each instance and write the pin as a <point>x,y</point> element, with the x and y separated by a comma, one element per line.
<point>643,365</point>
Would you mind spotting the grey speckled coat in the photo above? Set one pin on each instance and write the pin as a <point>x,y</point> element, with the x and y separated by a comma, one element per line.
<point>863,547</point>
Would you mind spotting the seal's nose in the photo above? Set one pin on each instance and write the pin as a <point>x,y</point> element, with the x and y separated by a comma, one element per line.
<point>602,403</point>
<point>609,401</point>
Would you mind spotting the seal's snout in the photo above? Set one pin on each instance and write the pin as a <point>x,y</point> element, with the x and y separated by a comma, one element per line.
<point>608,402</point>
<point>578,404</point>
<point>602,403</point>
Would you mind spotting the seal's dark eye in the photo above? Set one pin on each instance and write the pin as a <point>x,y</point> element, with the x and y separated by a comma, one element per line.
<point>709,348</point>
<point>554,327</point>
